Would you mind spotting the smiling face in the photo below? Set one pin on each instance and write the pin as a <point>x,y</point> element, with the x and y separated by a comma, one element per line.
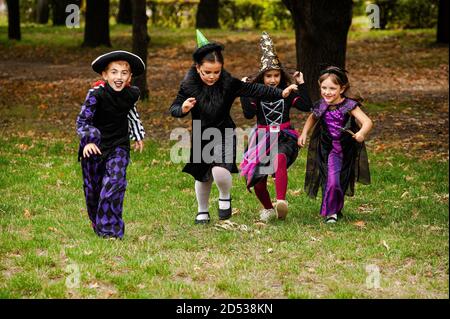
<point>272,78</point>
<point>209,72</point>
<point>331,91</point>
<point>118,75</point>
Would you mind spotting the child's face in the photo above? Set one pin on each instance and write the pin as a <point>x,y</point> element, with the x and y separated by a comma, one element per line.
<point>118,75</point>
<point>209,72</point>
<point>272,78</point>
<point>330,91</point>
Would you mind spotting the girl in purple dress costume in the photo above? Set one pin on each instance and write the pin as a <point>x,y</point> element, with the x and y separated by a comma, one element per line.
<point>337,155</point>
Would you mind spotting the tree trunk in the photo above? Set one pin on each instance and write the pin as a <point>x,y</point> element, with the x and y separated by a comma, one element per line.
<point>42,11</point>
<point>443,25</point>
<point>124,15</point>
<point>96,31</point>
<point>13,19</point>
<point>140,42</point>
<point>208,14</point>
<point>321,29</point>
<point>59,10</point>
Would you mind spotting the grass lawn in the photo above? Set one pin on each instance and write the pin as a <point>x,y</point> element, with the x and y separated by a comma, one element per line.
<point>395,232</point>
<point>399,223</point>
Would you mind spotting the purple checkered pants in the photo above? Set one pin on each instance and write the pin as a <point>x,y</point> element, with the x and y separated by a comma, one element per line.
<point>104,188</point>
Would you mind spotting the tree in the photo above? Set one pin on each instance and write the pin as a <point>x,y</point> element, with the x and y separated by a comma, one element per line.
<point>321,29</point>
<point>13,19</point>
<point>42,11</point>
<point>442,28</point>
<point>140,42</point>
<point>124,15</point>
<point>387,11</point>
<point>96,31</point>
<point>59,10</point>
<point>208,14</point>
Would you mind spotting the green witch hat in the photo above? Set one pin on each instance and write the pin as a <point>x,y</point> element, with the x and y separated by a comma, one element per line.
<point>201,39</point>
<point>204,47</point>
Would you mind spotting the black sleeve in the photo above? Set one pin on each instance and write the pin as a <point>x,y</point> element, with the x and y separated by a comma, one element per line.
<point>249,106</point>
<point>175,109</point>
<point>300,99</point>
<point>256,90</point>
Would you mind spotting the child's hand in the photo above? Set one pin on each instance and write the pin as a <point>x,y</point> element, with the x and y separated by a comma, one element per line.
<point>302,140</point>
<point>298,76</point>
<point>188,105</point>
<point>287,91</point>
<point>139,146</point>
<point>90,149</point>
<point>359,137</point>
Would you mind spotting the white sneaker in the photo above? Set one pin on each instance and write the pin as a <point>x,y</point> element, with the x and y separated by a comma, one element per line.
<point>281,208</point>
<point>331,219</point>
<point>267,214</point>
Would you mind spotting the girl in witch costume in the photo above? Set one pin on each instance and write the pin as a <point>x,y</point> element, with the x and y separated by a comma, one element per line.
<point>274,123</point>
<point>107,121</point>
<point>337,154</point>
<point>208,92</point>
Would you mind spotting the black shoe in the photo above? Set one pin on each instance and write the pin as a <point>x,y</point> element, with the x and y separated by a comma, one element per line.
<point>225,213</point>
<point>202,221</point>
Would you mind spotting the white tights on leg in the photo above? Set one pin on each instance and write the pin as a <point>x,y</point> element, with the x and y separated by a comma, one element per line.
<point>202,191</point>
<point>222,178</point>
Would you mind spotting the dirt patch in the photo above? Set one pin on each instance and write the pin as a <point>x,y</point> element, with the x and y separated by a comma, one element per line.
<point>405,78</point>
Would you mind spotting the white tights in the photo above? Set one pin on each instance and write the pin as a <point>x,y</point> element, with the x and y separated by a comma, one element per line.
<point>223,180</point>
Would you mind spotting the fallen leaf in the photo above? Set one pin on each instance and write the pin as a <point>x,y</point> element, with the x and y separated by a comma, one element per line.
<point>260,224</point>
<point>243,228</point>
<point>43,107</point>
<point>26,214</point>
<point>53,229</point>
<point>360,224</point>
<point>404,194</point>
<point>295,192</point>
<point>365,208</point>
<point>23,147</point>
<point>94,285</point>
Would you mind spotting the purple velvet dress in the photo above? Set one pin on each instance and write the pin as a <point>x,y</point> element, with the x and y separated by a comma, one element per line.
<point>335,159</point>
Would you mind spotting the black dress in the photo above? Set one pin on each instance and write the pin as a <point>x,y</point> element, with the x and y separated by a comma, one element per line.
<point>212,111</point>
<point>355,163</point>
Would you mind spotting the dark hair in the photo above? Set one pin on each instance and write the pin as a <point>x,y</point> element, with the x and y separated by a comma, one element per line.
<point>213,56</point>
<point>339,77</point>
<point>285,78</point>
<point>200,53</point>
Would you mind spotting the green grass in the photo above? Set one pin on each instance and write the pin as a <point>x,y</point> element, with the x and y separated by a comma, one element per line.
<point>45,229</point>
<point>399,223</point>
